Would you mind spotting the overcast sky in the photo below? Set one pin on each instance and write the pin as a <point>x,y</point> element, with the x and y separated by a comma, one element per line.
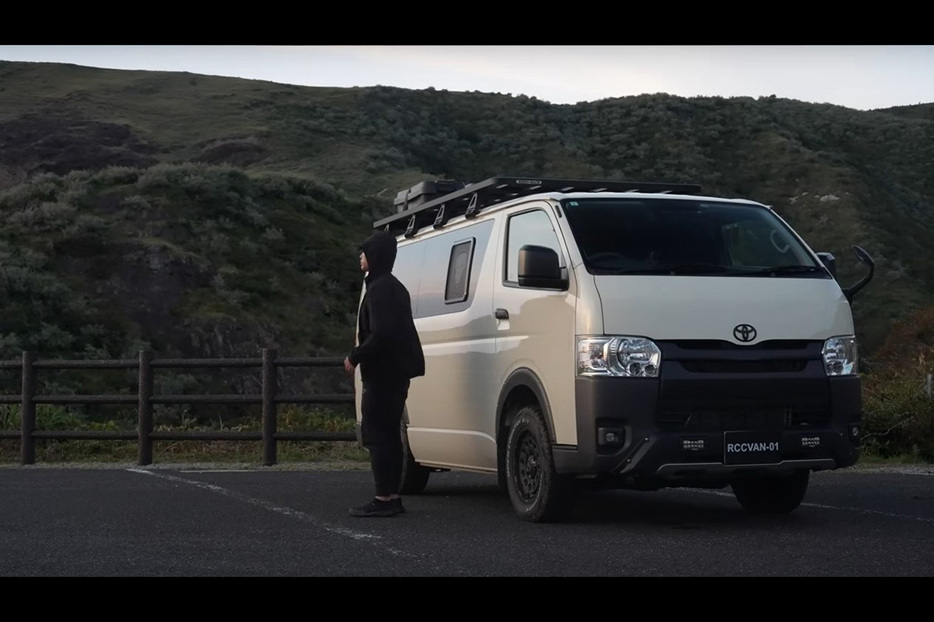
<point>862,77</point>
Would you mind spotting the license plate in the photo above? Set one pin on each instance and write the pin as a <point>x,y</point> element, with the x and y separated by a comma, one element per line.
<point>751,447</point>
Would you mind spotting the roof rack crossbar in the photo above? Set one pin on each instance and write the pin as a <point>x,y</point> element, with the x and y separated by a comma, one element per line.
<point>470,199</point>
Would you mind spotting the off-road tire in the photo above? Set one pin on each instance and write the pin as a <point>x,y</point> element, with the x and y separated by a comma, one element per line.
<point>771,495</point>
<point>537,492</point>
<point>414,475</point>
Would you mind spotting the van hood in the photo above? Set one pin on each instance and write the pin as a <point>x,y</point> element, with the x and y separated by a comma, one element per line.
<point>712,307</point>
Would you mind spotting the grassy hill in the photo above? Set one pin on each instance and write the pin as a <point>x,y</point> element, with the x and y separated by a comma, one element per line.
<point>209,216</point>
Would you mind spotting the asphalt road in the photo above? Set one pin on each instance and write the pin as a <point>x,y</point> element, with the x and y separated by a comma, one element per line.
<point>203,521</point>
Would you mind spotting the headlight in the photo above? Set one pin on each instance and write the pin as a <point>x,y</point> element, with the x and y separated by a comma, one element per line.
<point>618,356</point>
<point>840,357</point>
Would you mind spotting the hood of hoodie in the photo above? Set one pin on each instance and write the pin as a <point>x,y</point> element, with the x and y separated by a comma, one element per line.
<point>380,251</point>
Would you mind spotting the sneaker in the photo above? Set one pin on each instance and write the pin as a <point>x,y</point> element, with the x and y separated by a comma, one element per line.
<point>397,505</point>
<point>375,507</point>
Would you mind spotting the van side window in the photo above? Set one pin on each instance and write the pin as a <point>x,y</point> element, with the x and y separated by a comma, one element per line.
<point>448,268</point>
<point>529,228</point>
<point>455,290</point>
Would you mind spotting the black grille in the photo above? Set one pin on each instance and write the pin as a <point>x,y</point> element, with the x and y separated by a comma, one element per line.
<point>710,356</point>
<point>714,344</point>
<point>719,366</point>
<point>712,419</point>
<point>712,386</point>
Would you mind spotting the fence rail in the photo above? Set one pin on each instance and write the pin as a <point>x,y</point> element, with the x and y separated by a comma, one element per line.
<point>144,399</point>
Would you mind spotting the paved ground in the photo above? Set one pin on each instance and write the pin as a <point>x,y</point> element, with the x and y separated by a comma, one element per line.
<point>291,520</point>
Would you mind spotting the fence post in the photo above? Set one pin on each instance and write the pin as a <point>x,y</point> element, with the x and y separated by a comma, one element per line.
<point>28,410</point>
<point>144,412</point>
<point>269,407</point>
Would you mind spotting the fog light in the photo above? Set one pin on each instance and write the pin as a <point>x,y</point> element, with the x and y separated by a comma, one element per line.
<point>854,432</point>
<point>610,437</point>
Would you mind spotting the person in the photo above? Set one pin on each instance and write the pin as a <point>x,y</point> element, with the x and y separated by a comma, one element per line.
<point>389,353</point>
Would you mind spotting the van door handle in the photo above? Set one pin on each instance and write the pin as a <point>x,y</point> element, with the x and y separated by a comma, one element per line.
<point>501,314</point>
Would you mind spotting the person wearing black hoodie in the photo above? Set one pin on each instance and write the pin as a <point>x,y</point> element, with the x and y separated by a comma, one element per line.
<point>389,354</point>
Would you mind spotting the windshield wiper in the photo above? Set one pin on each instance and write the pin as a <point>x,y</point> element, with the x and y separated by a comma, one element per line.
<point>693,268</point>
<point>787,270</point>
<point>682,268</point>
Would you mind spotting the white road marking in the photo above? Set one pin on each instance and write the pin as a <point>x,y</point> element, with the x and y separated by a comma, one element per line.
<point>216,471</point>
<point>279,509</point>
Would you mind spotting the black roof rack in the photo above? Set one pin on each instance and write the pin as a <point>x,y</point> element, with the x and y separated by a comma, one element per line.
<point>471,198</point>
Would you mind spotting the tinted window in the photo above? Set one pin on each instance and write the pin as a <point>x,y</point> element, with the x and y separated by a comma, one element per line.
<point>458,272</point>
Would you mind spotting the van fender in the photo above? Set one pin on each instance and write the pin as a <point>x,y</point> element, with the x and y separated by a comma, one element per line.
<point>520,387</point>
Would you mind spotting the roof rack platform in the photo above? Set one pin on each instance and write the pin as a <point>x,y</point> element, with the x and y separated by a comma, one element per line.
<point>424,192</point>
<point>421,205</point>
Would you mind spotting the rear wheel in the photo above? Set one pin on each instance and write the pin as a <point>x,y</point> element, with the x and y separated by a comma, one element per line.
<point>414,475</point>
<point>771,495</point>
<point>538,493</point>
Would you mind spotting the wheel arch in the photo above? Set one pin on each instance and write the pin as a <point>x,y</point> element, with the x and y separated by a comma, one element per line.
<point>522,387</point>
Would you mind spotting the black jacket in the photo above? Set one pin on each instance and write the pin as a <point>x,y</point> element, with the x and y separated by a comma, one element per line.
<point>388,350</point>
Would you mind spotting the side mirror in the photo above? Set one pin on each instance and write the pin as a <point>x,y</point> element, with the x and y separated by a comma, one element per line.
<point>866,258</point>
<point>538,267</point>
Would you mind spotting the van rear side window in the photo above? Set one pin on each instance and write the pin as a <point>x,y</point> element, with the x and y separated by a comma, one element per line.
<point>455,289</point>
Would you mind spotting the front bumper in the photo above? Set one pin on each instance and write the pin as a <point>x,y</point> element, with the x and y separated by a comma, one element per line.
<point>676,429</point>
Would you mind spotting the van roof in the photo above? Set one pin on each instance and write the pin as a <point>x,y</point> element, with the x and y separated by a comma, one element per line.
<point>468,199</point>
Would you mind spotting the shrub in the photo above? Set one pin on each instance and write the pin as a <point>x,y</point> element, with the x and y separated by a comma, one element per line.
<point>898,411</point>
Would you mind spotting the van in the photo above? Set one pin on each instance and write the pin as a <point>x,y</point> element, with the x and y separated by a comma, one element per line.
<point>583,335</point>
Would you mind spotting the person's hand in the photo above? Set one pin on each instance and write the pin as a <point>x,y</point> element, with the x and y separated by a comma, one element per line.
<point>348,366</point>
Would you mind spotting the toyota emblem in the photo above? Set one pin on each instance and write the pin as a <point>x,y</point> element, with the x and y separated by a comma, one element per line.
<point>744,333</point>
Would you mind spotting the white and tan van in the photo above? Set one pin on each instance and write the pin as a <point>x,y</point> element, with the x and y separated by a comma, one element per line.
<point>584,334</point>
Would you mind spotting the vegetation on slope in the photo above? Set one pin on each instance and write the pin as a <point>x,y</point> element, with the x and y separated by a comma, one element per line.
<point>201,216</point>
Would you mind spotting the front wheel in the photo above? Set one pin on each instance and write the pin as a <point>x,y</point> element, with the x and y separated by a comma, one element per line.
<point>414,476</point>
<point>771,495</point>
<point>538,493</point>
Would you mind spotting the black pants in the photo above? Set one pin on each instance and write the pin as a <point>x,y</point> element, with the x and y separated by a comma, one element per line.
<point>381,410</point>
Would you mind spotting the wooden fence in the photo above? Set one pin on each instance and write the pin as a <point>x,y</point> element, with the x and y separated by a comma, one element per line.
<point>145,435</point>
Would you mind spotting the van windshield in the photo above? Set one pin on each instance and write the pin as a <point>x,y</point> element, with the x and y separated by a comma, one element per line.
<point>684,236</point>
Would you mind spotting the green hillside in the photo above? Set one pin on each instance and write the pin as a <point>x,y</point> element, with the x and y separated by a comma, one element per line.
<point>208,216</point>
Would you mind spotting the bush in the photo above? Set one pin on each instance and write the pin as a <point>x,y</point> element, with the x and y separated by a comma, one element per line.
<point>898,414</point>
<point>898,411</point>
